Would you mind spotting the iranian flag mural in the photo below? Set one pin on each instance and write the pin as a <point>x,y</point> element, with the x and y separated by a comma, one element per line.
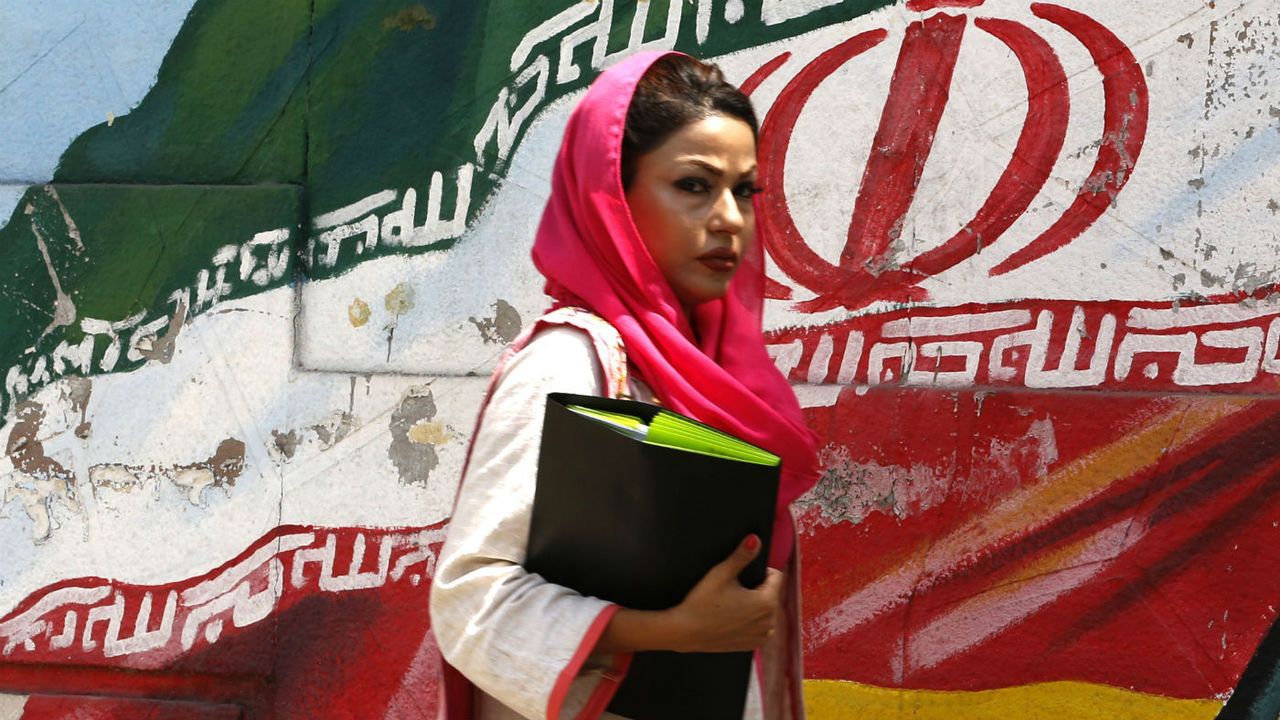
<point>259,259</point>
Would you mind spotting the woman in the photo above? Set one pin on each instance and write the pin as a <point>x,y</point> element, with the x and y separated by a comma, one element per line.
<point>649,249</point>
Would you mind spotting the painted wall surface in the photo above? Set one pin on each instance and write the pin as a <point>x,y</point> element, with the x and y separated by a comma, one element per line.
<point>260,258</point>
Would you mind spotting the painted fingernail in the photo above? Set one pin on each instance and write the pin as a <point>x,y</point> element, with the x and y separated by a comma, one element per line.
<point>753,542</point>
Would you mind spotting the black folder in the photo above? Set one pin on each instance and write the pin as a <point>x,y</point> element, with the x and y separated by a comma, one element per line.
<point>639,524</point>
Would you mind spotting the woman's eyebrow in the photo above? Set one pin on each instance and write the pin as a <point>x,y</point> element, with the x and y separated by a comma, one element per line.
<point>713,169</point>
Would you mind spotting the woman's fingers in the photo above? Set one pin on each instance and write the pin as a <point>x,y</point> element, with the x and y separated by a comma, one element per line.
<point>729,568</point>
<point>720,615</point>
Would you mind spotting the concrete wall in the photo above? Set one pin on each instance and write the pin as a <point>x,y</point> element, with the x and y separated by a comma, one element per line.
<point>259,258</point>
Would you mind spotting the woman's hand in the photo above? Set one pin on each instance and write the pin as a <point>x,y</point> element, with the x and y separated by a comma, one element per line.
<point>718,614</point>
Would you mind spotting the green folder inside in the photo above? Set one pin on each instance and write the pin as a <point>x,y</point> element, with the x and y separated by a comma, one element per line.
<point>678,432</point>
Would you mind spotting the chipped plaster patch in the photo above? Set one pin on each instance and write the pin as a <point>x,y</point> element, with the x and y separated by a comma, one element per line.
<point>334,429</point>
<point>849,491</point>
<point>286,445</point>
<point>414,459</point>
<point>1028,457</point>
<point>283,445</point>
<point>503,327</point>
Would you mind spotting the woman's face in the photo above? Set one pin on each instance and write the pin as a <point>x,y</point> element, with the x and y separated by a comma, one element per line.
<point>691,201</point>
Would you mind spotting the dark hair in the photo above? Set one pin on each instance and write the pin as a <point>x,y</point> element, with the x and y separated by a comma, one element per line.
<point>675,91</point>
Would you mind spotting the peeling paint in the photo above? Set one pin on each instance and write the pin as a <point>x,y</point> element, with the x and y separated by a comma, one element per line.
<point>220,470</point>
<point>73,231</point>
<point>195,480</point>
<point>414,459</point>
<point>503,327</point>
<point>1241,66</point>
<point>39,479</point>
<point>35,501</point>
<point>161,348</point>
<point>1249,278</point>
<point>76,391</point>
<point>64,308</point>
<point>117,478</point>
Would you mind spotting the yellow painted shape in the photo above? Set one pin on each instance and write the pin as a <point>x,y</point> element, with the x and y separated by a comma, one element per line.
<point>429,433</point>
<point>400,300</point>
<point>358,312</point>
<point>841,700</point>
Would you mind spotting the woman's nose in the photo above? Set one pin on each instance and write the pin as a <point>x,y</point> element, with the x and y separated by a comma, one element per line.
<point>726,216</point>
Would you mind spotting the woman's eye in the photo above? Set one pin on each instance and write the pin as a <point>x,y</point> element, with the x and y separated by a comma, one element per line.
<point>746,190</point>
<point>693,185</point>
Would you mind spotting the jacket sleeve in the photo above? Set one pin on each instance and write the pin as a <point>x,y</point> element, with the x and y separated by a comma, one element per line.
<point>520,639</point>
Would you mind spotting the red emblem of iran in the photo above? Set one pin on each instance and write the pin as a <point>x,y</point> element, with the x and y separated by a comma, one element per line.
<point>866,271</point>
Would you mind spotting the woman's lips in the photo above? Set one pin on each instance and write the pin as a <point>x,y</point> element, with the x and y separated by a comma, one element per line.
<point>720,260</point>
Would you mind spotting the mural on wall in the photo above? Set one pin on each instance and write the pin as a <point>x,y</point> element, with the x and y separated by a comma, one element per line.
<point>1021,273</point>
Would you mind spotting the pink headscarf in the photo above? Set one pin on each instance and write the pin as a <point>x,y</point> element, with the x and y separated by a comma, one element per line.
<point>588,248</point>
